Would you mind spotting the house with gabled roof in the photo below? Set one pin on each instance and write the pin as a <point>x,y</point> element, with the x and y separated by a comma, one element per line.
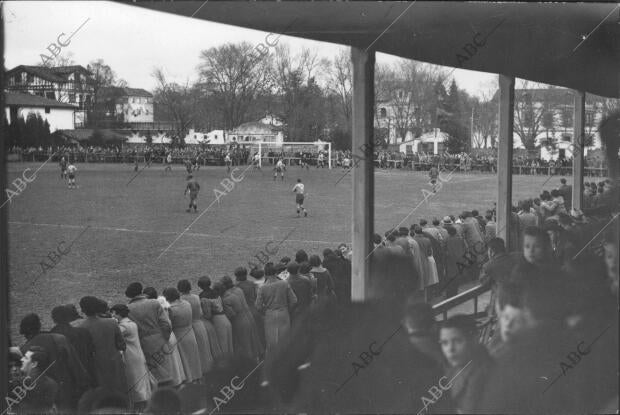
<point>59,115</point>
<point>125,105</point>
<point>68,84</point>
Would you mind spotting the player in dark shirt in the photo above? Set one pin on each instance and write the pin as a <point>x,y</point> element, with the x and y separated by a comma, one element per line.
<point>193,187</point>
<point>433,174</point>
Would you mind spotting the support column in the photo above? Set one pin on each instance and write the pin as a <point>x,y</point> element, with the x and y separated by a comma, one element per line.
<point>504,157</point>
<point>363,176</point>
<point>4,241</point>
<point>578,147</point>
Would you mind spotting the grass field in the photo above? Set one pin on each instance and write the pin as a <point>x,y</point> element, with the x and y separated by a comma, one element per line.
<point>132,232</point>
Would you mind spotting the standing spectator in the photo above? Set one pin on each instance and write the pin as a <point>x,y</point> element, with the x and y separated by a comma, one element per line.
<point>80,338</point>
<point>250,290</point>
<point>41,398</point>
<point>340,270</point>
<point>559,201</point>
<point>257,276</point>
<point>430,268</point>
<point>181,320</point>
<point>455,253</point>
<point>67,370</point>
<point>302,288</point>
<point>138,376</point>
<point>442,231</point>
<point>468,361</point>
<point>246,340</point>
<point>481,221</point>
<point>497,270</point>
<point>526,217</point>
<point>471,230</point>
<point>109,344</point>
<point>324,281</point>
<point>217,324</point>
<point>566,191</point>
<point>275,298</point>
<point>153,329</point>
<point>490,229</point>
<point>200,331</point>
<point>176,372</point>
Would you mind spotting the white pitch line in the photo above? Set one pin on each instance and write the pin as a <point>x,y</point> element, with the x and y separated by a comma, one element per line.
<point>201,235</point>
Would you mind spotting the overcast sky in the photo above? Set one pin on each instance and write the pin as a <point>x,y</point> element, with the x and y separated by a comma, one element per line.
<point>134,40</point>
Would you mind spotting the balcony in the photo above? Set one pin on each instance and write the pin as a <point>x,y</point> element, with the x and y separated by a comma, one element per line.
<point>137,126</point>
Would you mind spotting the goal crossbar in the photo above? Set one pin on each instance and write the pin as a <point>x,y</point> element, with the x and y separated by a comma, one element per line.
<point>305,146</point>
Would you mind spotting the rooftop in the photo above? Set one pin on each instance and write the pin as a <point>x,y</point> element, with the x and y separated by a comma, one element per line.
<point>29,100</point>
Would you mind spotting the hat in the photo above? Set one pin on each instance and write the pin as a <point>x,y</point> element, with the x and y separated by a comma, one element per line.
<point>447,220</point>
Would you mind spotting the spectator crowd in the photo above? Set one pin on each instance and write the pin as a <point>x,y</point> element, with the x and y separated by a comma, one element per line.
<point>554,289</point>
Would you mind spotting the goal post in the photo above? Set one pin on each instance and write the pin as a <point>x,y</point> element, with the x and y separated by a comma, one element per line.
<point>290,150</point>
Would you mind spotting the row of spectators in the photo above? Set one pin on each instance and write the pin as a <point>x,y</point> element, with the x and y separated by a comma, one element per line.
<point>552,289</point>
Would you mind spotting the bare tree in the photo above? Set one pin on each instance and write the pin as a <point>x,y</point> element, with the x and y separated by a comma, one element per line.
<point>485,120</point>
<point>177,101</point>
<point>339,83</point>
<point>238,76</point>
<point>530,107</point>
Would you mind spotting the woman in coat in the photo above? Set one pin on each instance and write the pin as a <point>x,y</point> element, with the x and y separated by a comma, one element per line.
<point>275,298</point>
<point>245,334</point>
<point>181,319</point>
<point>137,372</point>
<point>200,331</point>
<point>250,290</point>
<point>109,344</point>
<point>168,349</point>
<point>213,311</point>
<point>325,286</point>
<point>214,319</point>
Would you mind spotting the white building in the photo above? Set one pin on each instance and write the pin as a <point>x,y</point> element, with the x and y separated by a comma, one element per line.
<point>431,142</point>
<point>257,131</point>
<point>59,115</point>
<point>129,105</point>
<point>216,137</point>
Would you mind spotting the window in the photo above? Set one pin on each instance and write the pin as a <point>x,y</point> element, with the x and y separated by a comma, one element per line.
<point>47,110</point>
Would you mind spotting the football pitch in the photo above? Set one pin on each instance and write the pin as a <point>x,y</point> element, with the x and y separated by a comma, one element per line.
<point>109,232</point>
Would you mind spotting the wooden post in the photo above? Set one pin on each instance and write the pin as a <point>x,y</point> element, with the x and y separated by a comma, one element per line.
<point>504,158</point>
<point>363,176</point>
<point>4,239</point>
<point>578,147</point>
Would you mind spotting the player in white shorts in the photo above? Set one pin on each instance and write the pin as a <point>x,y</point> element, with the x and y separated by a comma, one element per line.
<point>228,161</point>
<point>71,169</point>
<point>299,197</point>
<point>256,161</point>
<point>280,167</point>
<point>168,163</point>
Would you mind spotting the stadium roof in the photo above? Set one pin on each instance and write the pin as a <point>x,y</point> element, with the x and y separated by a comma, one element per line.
<point>29,100</point>
<point>574,45</point>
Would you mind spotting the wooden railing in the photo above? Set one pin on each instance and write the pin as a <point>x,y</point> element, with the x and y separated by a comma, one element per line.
<point>472,294</point>
<point>486,324</point>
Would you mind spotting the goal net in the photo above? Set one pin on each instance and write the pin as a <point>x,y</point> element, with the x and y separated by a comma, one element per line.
<point>293,153</point>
